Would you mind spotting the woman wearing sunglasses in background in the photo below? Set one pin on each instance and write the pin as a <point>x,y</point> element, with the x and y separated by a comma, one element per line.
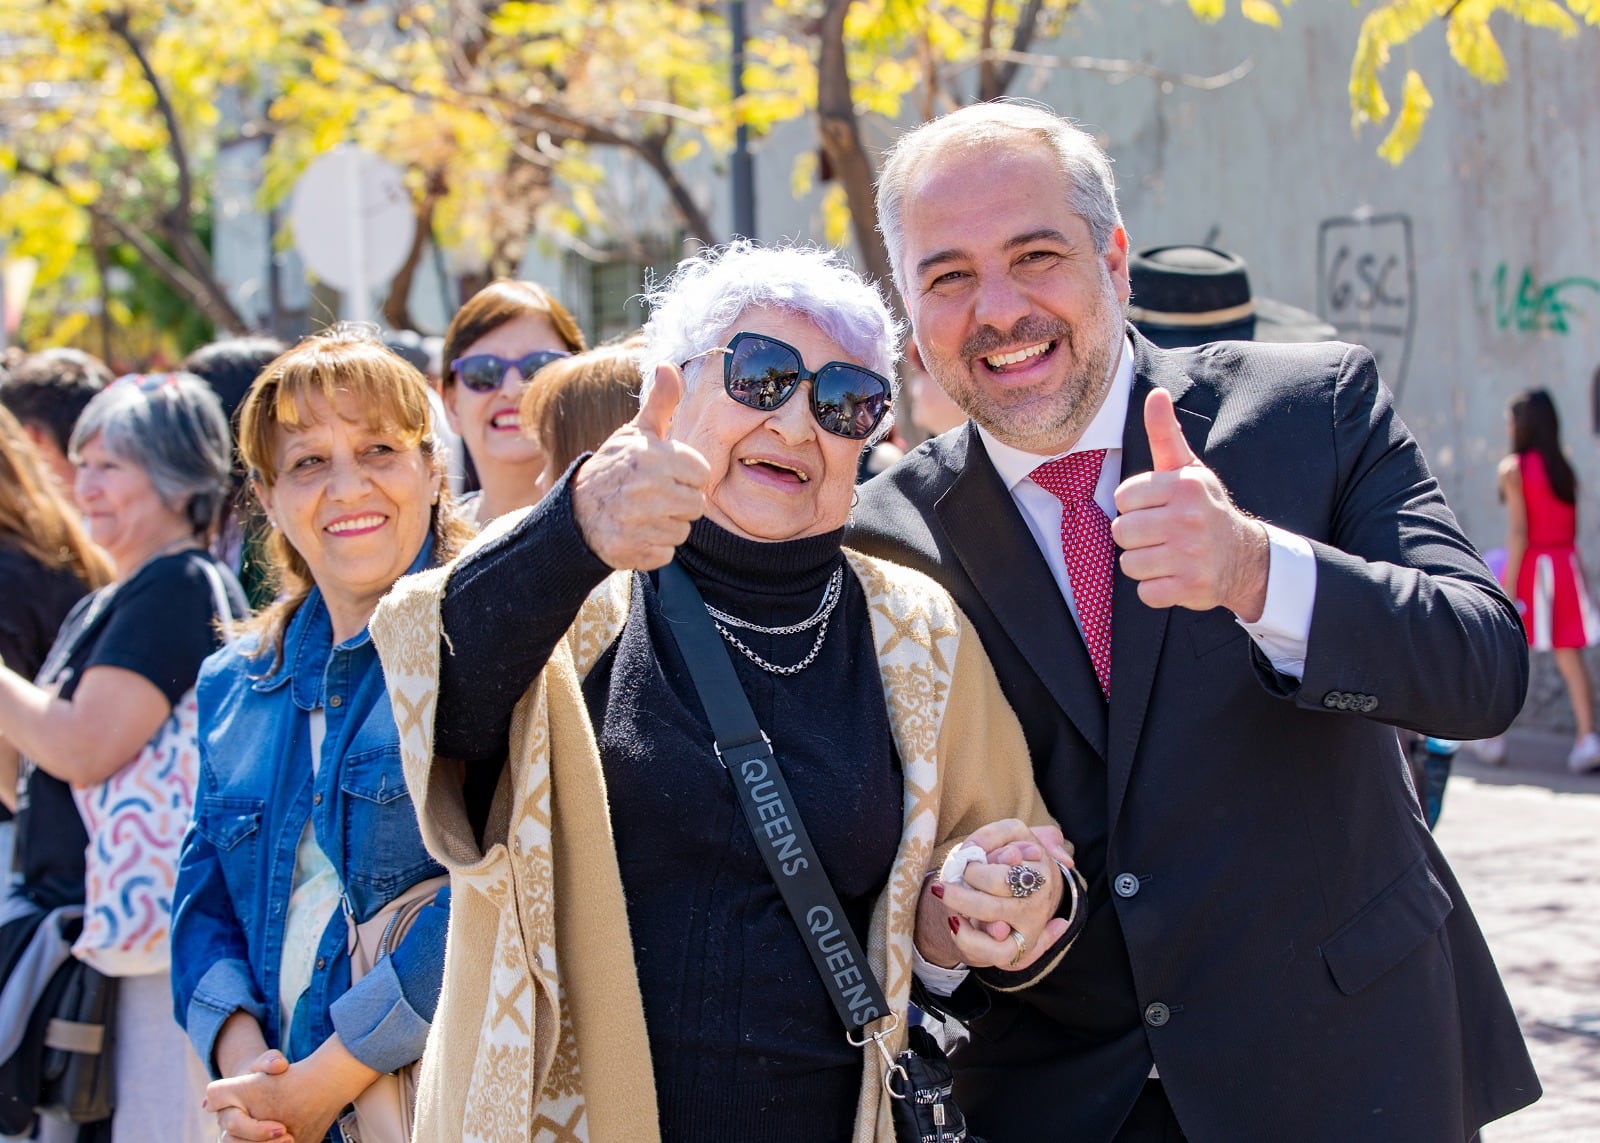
<point>621,955</point>
<point>495,344</point>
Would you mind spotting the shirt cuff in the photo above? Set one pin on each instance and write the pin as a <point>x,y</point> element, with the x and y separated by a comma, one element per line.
<point>226,988</point>
<point>375,1022</point>
<point>936,978</point>
<point>1284,629</point>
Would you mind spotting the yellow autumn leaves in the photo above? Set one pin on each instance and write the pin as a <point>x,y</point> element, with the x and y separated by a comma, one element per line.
<point>1472,45</point>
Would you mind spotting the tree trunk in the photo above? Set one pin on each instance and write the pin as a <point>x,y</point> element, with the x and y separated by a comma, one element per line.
<point>397,305</point>
<point>994,81</point>
<point>988,83</point>
<point>513,209</point>
<point>840,133</point>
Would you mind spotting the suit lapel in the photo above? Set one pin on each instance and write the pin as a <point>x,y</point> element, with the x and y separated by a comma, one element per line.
<point>1137,631</point>
<point>1001,558</point>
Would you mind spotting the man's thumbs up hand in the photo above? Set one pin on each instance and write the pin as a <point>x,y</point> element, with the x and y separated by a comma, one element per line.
<point>1169,451</point>
<point>1181,537</point>
<point>635,498</point>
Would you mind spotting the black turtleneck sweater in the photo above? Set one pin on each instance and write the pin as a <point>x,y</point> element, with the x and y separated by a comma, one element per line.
<point>745,1043</point>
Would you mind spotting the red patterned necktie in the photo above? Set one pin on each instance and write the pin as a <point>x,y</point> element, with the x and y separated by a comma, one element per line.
<point>1087,548</point>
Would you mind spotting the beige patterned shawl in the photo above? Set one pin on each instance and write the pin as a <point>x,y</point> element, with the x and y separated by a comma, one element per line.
<point>539,1033</point>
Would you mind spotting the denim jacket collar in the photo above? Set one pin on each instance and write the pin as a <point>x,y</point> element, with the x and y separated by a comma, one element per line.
<point>308,639</point>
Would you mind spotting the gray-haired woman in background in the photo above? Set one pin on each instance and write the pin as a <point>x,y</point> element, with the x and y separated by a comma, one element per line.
<point>152,457</point>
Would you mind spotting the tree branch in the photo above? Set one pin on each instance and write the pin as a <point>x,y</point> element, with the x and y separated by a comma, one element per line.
<point>1119,71</point>
<point>1021,39</point>
<point>567,127</point>
<point>220,311</point>
<point>180,217</point>
<point>987,87</point>
<point>695,223</point>
<point>121,26</point>
<point>840,132</point>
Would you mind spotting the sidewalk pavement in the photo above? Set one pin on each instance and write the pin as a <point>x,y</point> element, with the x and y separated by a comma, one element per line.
<point>1524,840</point>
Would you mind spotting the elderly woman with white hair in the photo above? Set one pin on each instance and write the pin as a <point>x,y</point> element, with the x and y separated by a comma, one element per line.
<point>623,965</point>
<point>152,457</point>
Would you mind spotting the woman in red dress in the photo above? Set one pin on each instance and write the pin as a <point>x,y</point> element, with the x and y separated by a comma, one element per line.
<point>1542,569</point>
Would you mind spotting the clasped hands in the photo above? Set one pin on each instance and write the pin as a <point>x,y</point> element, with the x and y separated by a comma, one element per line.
<point>973,923</point>
<point>272,1099</point>
<point>256,1105</point>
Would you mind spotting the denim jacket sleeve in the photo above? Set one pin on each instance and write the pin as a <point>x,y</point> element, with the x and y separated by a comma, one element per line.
<point>383,1020</point>
<point>211,976</point>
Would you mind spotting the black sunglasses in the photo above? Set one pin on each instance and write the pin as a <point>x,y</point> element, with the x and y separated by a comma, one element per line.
<point>761,372</point>
<point>483,372</point>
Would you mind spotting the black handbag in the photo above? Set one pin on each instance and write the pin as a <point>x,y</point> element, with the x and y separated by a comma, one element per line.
<point>918,1079</point>
<point>63,1059</point>
<point>76,1073</point>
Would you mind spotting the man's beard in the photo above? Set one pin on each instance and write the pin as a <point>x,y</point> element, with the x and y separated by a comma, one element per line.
<point>1049,420</point>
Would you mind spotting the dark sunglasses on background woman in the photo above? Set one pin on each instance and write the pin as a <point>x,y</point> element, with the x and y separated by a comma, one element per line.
<point>761,372</point>
<point>483,372</point>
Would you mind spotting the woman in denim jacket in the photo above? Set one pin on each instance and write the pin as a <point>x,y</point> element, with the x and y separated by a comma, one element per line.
<point>303,827</point>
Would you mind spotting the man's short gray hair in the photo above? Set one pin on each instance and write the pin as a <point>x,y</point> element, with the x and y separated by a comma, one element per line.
<point>1090,189</point>
<point>706,295</point>
<point>171,426</point>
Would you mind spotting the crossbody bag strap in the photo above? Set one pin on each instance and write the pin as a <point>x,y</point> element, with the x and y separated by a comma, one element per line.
<point>219,593</point>
<point>746,753</point>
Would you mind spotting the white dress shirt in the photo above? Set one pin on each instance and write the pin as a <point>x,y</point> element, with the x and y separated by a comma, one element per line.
<point>1285,624</point>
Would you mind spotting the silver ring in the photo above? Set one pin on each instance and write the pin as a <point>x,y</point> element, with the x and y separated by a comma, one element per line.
<point>1022,945</point>
<point>1025,880</point>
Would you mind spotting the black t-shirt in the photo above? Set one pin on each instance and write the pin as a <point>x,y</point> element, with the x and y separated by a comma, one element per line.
<point>160,624</point>
<point>34,599</point>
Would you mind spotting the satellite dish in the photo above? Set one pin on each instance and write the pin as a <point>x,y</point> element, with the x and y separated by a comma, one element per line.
<point>353,223</point>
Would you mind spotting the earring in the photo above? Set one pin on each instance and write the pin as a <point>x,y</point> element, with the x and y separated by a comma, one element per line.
<point>855,499</point>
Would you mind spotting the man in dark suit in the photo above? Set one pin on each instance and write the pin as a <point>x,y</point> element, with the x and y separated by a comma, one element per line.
<point>1275,949</point>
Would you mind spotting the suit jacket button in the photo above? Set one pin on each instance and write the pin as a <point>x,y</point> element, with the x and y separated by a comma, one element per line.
<point>1157,1014</point>
<point>1331,700</point>
<point>1126,885</point>
<point>1370,705</point>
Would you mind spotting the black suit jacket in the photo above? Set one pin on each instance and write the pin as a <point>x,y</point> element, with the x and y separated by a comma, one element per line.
<point>1271,923</point>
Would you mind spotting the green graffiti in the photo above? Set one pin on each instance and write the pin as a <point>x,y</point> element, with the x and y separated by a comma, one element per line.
<point>1535,308</point>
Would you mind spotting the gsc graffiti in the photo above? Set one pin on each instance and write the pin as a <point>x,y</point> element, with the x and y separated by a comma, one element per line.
<point>1366,286</point>
<point>1532,308</point>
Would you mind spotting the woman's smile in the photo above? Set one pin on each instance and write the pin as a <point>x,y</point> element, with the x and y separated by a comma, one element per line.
<point>779,473</point>
<point>356,525</point>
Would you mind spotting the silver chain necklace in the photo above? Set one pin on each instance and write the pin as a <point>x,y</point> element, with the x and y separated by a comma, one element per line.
<point>835,582</point>
<point>819,618</point>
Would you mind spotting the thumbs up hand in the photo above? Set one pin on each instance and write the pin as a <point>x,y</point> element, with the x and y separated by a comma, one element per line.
<point>635,498</point>
<point>1181,537</point>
